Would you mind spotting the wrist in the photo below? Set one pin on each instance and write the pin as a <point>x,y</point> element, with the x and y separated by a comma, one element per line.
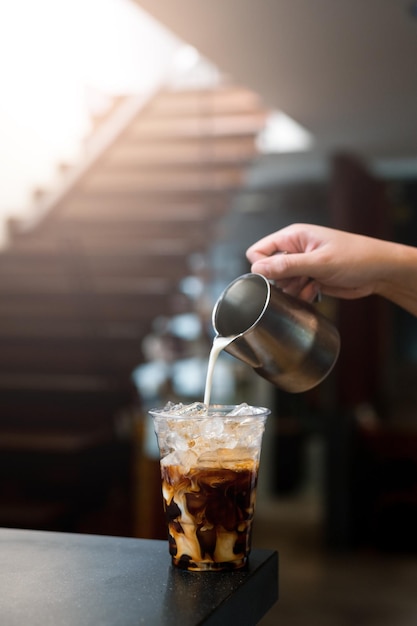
<point>398,276</point>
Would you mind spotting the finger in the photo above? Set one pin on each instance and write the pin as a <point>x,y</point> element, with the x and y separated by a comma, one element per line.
<point>284,284</point>
<point>295,286</point>
<point>265,248</point>
<point>311,292</point>
<point>281,266</point>
<point>293,238</point>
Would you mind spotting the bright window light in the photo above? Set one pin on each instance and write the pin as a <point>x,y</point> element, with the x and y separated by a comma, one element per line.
<point>59,62</point>
<point>186,58</point>
<point>283,134</point>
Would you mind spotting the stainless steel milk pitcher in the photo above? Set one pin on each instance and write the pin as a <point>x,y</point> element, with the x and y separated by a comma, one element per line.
<point>286,340</point>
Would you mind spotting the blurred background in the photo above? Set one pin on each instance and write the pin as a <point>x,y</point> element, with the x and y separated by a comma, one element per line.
<point>144,146</point>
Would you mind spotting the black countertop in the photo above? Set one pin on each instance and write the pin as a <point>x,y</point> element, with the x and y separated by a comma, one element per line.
<point>63,579</point>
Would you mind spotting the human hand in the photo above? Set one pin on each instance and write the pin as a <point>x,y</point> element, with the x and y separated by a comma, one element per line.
<point>305,260</point>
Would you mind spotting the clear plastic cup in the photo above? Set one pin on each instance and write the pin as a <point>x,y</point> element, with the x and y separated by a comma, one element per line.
<point>209,470</point>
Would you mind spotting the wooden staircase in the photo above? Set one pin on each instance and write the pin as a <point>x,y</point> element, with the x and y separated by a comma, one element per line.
<point>80,289</point>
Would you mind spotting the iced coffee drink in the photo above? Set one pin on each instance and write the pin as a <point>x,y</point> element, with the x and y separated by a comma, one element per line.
<point>209,470</point>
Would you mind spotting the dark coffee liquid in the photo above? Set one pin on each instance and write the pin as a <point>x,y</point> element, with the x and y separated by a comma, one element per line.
<point>209,514</point>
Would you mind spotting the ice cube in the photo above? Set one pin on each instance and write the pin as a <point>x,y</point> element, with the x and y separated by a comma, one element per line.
<point>230,443</point>
<point>187,460</point>
<point>188,410</point>
<point>242,409</point>
<point>194,409</point>
<point>172,407</point>
<point>212,427</point>
<point>211,459</point>
<point>176,442</point>
<point>171,459</point>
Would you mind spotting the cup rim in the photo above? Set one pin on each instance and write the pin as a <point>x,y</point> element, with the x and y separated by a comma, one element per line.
<point>214,410</point>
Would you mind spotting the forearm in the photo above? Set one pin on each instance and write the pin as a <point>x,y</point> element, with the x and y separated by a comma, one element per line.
<point>399,282</point>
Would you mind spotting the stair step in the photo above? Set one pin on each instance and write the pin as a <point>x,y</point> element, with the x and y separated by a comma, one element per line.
<point>85,305</point>
<point>48,328</point>
<point>101,206</point>
<point>65,283</point>
<point>78,356</point>
<point>56,441</point>
<point>199,126</point>
<point>109,238</point>
<point>220,100</point>
<point>66,257</point>
<point>145,153</point>
<point>132,181</point>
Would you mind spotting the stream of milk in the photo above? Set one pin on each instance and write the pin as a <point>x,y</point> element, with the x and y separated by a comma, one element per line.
<point>219,344</point>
